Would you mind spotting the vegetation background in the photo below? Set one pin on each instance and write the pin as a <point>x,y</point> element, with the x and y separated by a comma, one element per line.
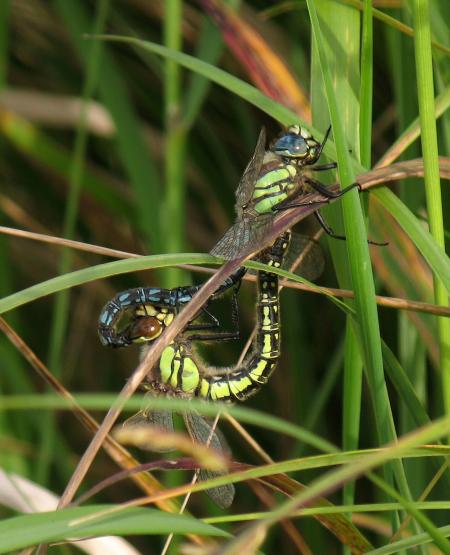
<point>114,145</point>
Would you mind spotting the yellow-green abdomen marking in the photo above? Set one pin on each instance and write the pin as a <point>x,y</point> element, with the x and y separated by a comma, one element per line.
<point>244,381</point>
<point>178,369</point>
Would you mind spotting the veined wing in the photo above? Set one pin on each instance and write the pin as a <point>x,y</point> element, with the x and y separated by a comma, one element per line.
<point>243,238</point>
<point>161,419</point>
<point>251,173</point>
<point>201,431</point>
<point>306,255</point>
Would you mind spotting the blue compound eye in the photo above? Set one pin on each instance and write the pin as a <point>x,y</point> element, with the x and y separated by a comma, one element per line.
<point>291,146</point>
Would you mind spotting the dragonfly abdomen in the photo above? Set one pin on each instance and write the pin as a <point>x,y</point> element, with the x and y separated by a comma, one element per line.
<point>179,370</point>
<point>245,380</point>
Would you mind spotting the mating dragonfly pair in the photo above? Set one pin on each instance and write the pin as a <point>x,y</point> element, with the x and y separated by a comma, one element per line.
<point>274,180</point>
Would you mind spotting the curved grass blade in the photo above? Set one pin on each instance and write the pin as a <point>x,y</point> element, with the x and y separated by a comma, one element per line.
<point>26,530</point>
<point>97,272</point>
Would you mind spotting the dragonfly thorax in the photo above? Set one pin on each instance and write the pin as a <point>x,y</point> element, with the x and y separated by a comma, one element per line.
<point>277,181</point>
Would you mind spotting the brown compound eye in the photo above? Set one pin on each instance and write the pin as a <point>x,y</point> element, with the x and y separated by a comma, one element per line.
<point>145,328</point>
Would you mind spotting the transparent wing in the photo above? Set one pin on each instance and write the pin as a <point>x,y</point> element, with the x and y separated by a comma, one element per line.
<point>200,431</point>
<point>246,185</point>
<point>160,419</point>
<point>243,238</point>
<point>305,257</point>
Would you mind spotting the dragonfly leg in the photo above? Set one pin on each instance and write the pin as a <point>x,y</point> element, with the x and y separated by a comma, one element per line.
<point>214,323</point>
<point>324,167</point>
<point>290,204</point>
<point>323,190</point>
<point>221,335</point>
<point>329,231</point>
<point>325,139</point>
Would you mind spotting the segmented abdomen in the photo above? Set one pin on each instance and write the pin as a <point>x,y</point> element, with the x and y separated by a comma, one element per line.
<point>245,380</point>
<point>178,368</point>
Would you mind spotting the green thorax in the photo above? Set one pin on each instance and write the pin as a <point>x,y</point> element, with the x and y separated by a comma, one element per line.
<point>277,181</point>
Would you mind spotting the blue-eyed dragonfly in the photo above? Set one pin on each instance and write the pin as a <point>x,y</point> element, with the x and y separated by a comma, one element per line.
<point>274,180</point>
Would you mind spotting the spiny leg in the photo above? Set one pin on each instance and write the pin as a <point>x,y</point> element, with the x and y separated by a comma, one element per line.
<point>329,231</point>
<point>222,335</point>
<point>214,322</point>
<point>325,139</point>
<point>323,190</point>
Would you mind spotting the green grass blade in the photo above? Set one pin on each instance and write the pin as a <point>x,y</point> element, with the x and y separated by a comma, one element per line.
<point>101,401</point>
<point>97,520</point>
<point>420,518</point>
<point>413,541</point>
<point>98,272</point>
<point>352,401</point>
<point>117,267</point>
<point>335,478</point>
<point>366,91</point>
<point>366,318</point>
<point>344,38</point>
<point>424,69</point>
<point>362,278</point>
<point>404,387</point>
<point>174,220</point>
<point>216,75</point>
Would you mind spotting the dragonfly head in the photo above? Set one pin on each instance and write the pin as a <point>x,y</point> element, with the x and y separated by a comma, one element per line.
<point>297,144</point>
<point>148,324</point>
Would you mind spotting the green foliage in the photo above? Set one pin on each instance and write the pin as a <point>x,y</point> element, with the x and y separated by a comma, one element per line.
<point>149,165</point>
<point>101,520</point>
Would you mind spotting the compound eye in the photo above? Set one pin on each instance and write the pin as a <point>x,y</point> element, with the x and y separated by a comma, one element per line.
<point>145,328</point>
<point>291,146</point>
